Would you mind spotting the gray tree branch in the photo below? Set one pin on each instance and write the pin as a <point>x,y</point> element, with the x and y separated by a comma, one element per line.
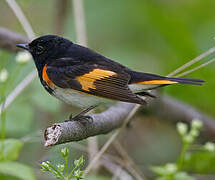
<point>101,123</point>
<point>9,39</point>
<point>174,110</point>
<point>113,118</point>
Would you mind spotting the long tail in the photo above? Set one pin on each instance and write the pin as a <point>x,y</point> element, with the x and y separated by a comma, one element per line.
<point>186,80</point>
<point>146,78</point>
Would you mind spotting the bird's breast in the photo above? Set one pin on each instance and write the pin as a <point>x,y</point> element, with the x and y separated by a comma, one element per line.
<point>76,98</point>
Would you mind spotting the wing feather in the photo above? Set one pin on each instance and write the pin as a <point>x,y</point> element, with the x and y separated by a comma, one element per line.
<point>94,80</point>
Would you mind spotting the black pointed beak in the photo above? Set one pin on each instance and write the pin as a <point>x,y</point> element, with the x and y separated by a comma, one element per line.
<point>23,46</point>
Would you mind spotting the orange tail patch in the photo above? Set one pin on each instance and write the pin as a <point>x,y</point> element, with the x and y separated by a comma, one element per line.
<point>157,82</point>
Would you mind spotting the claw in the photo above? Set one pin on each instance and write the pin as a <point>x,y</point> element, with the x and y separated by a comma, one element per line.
<point>81,116</point>
<point>70,117</point>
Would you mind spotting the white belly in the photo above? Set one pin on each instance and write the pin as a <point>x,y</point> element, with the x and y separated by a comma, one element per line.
<point>77,98</point>
<point>136,88</point>
<point>84,100</point>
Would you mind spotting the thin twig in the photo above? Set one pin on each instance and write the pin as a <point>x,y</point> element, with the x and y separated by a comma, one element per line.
<point>61,11</point>
<point>177,71</point>
<point>28,29</point>
<point>80,26</point>
<point>113,137</point>
<point>9,39</point>
<point>118,172</point>
<point>81,38</point>
<point>22,19</point>
<point>19,88</point>
<point>169,108</point>
<point>105,157</point>
<point>195,60</point>
<point>210,51</point>
<point>122,163</point>
<point>196,68</point>
<point>110,140</point>
<point>138,174</point>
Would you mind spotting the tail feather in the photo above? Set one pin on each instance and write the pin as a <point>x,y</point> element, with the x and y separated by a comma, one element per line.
<point>146,78</point>
<point>186,80</point>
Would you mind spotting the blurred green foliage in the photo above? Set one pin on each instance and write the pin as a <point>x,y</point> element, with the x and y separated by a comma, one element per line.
<point>63,171</point>
<point>154,36</point>
<point>201,162</point>
<point>11,149</point>
<point>188,161</point>
<point>16,169</point>
<point>9,168</point>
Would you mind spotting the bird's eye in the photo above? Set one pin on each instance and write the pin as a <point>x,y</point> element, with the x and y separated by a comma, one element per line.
<point>40,50</point>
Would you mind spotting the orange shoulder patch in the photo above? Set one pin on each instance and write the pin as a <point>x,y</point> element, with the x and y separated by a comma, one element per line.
<point>157,82</point>
<point>87,80</point>
<point>45,76</point>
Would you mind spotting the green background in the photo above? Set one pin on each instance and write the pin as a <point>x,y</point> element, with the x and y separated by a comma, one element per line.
<point>155,36</point>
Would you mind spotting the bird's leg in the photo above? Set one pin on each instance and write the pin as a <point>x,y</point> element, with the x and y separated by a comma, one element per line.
<point>82,115</point>
<point>145,93</point>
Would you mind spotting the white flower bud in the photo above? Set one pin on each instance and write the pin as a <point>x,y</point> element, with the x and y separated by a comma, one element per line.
<point>3,75</point>
<point>171,168</point>
<point>60,167</point>
<point>45,164</point>
<point>196,124</point>
<point>23,57</point>
<point>194,132</point>
<point>182,128</point>
<point>189,139</point>
<point>64,152</point>
<point>209,146</point>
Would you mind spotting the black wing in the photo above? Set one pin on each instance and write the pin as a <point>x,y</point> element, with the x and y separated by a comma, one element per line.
<point>91,78</point>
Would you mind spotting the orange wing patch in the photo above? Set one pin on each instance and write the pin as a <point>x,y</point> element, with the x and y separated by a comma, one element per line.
<point>87,80</point>
<point>157,82</point>
<point>45,76</point>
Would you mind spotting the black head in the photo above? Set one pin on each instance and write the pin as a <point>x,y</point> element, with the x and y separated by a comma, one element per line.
<point>46,47</point>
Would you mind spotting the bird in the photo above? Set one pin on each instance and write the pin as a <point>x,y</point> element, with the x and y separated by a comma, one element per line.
<point>84,78</point>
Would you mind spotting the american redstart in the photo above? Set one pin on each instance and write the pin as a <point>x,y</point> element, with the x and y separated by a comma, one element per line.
<point>81,77</point>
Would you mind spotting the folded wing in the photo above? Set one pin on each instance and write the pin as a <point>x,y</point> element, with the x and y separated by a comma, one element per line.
<point>93,79</point>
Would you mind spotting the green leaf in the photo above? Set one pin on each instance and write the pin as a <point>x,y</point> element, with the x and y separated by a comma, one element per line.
<point>7,177</point>
<point>167,169</point>
<point>64,152</point>
<point>11,148</point>
<point>61,167</point>
<point>79,161</point>
<point>48,167</point>
<point>200,162</point>
<point>183,176</point>
<point>78,174</point>
<point>159,170</point>
<point>17,169</point>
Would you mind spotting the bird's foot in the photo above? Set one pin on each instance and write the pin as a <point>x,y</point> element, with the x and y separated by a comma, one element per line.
<point>83,119</point>
<point>82,116</point>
